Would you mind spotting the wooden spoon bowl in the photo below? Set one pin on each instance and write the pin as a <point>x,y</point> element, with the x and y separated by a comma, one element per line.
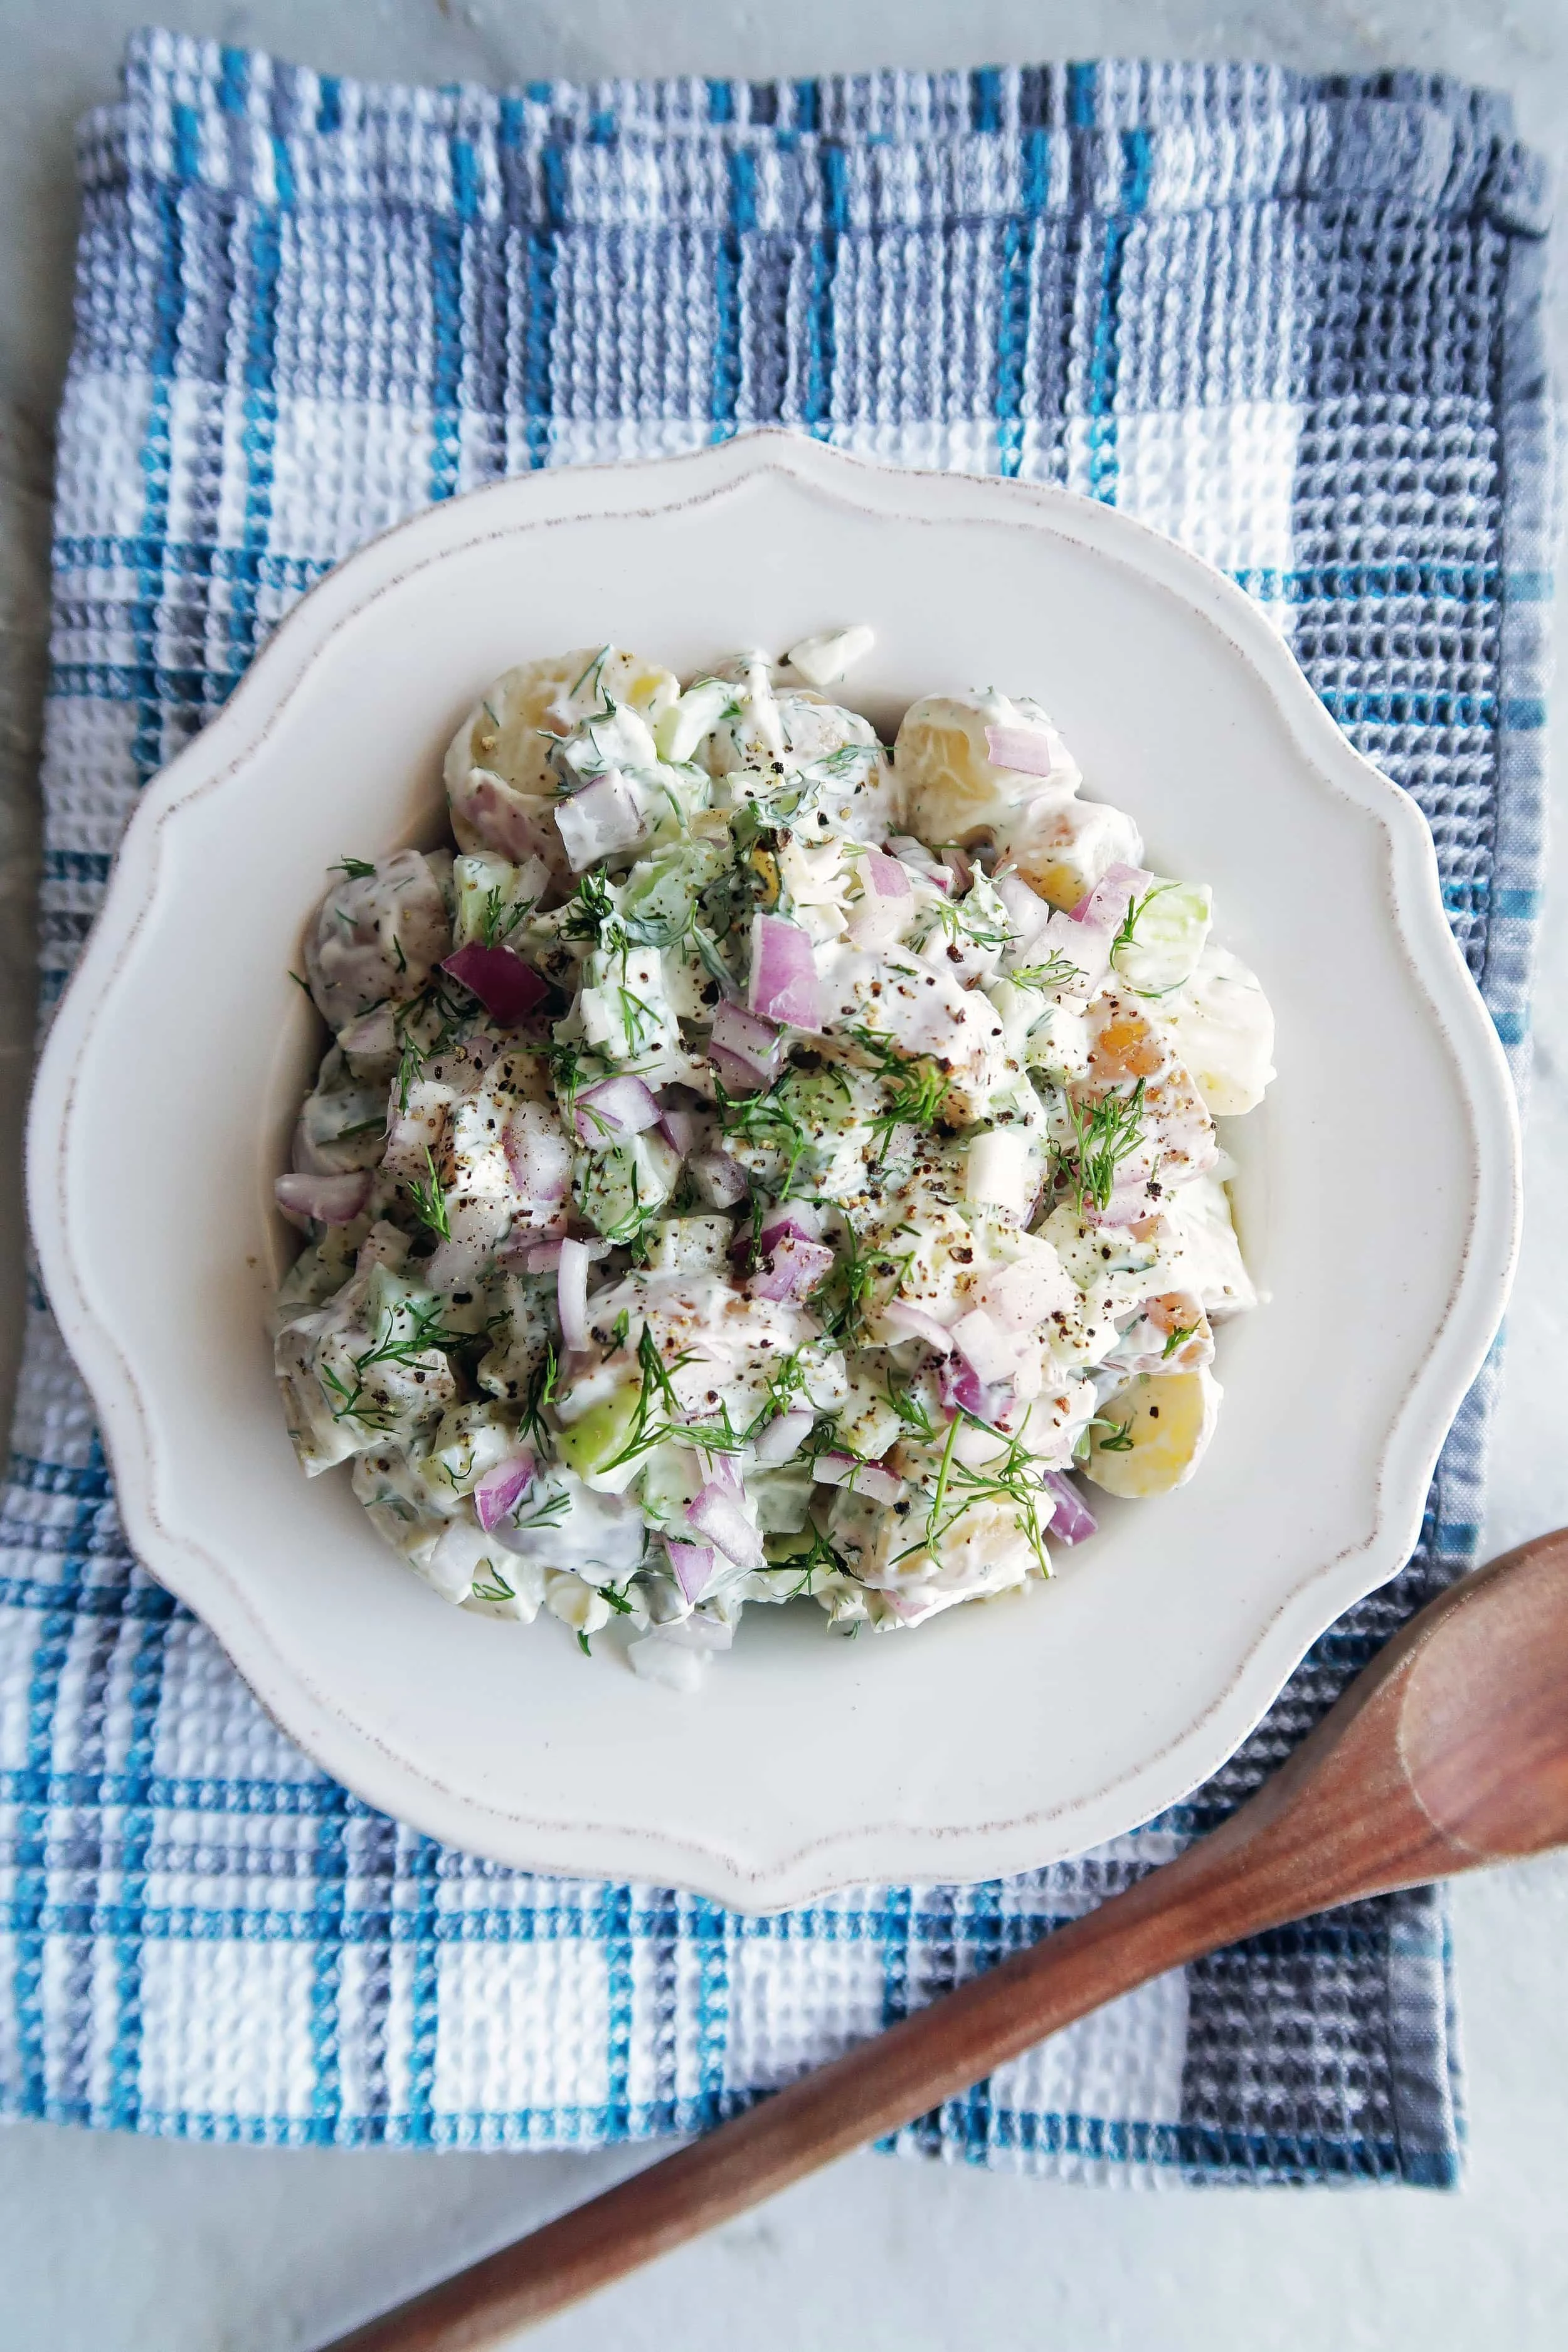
<point>1450,1750</point>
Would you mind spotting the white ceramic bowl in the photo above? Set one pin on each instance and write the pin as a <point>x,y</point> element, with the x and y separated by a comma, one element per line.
<point>1377,1199</point>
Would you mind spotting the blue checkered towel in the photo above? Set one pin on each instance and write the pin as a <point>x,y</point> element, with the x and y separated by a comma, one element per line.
<point>1294,321</point>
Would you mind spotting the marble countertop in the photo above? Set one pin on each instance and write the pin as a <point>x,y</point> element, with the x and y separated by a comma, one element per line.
<point>110,2244</point>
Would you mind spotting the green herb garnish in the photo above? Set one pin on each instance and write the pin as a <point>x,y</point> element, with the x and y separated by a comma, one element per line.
<point>429,1200</point>
<point>1053,974</point>
<point>424,1334</point>
<point>1104,1135</point>
<point>917,1090</point>
<point>1136,909</point>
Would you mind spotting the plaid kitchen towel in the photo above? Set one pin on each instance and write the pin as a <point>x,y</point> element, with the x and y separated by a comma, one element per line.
<point>1293,321</point>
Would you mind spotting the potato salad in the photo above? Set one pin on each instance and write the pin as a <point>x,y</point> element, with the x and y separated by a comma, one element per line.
<point>754,1163</point>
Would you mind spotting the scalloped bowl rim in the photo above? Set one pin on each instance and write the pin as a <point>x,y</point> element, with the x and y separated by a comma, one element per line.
<point>389,1775</point>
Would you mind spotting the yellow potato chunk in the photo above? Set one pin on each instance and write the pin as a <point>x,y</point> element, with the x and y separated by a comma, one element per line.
<point>950,786</point>
<point>1152,1435</point>
<point>1224,1031</point>
<point>499,782</point>
<point>1063,852</point>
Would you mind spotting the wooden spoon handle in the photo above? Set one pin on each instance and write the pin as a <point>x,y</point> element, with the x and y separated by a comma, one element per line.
<point>1170,1916</point>
<point>1342,1819</point>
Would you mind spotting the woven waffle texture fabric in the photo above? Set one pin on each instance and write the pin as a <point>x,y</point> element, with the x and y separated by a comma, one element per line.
<point>1292,321</point>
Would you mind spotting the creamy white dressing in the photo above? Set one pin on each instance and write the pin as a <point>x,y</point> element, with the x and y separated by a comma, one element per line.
<point>761,1164</point>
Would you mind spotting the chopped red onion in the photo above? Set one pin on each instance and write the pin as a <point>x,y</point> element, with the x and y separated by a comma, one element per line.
<point>602,817</point>
<point>1107,903</point>
<point>1027,751</point>
<point>878,916</point>
<point>679,1129</point>
<point>498,1490</point>
<point>1072,1519</point>
<point>330,1200</point>
<point>508,988</point>
<point>789,1268</point>
<point>867,1479</point>
<point>885,876</point>
<point>612,1109</point>
<point>962,1391</point>
<point>801,1218</point>
<point>543,1257</point>
<point>961,865</point>
<point>694,1564</point>
<point>783,985</point>
<point>719,1470</point>
<point>782,1439</point>
<point>720,1181</point>
<point>913,1323</point>
<point>717,1516</point>
<point>736,1077</point>
<point>572,1294</point>
<point>746,1038</point>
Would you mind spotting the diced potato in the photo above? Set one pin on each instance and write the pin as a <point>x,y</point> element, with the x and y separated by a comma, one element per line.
<point>950,789</point>
<point>1063,852</point>
<point>1224,1031</point>
<point>499,780</point>
<point>1152,1435</point>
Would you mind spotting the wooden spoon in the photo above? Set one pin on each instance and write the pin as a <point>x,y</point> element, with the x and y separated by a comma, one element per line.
<point>1449,1750</point>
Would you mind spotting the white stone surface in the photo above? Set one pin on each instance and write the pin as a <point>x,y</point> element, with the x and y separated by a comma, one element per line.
<point>109,2244</point>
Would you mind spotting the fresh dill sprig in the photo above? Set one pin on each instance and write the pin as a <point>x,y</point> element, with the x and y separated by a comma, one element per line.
<point>1120,1441</point>
<point>595,670</point>
<point>547,1513</point>
<point>917,1090</point>
<point>766,1122</point>
<point>712,963</point>
<point>498,1589</point>
<point>1176,1340</point>
<point>539,1396</point>
<point>1104,1135</point>
<point>1054,973</point>
<point>589,909</point>
<point>410,1062</point>
<point>821,1557</point>
<point>657,1390</point>
<point>424,1332</point>
<point>355,868</point>
<point>964,922</point>
<point>639,1021</point>
<point>449,1010</point>
<point>429,1200</point>
<point>908,1408</point>
<point>497,921</point>
<point>1136,910</point>
<point>841,1297</point>
<point>1011,1477</point>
